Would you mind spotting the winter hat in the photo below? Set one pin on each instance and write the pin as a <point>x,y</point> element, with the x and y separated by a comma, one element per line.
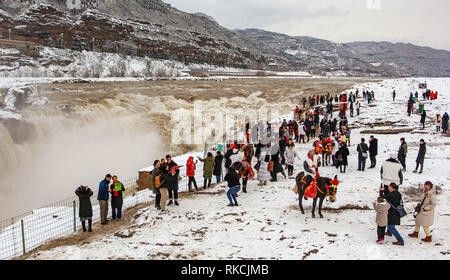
<point>392,155</point>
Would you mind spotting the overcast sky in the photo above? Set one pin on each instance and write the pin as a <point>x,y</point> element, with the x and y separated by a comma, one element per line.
<point>421,22</point>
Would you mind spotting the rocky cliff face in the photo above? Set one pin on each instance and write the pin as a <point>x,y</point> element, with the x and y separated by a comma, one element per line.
<point>360,58</point>
<point>137,27</point>
<point>155,29</point>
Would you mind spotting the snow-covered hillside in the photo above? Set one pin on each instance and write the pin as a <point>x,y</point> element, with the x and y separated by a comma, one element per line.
<point>268,223</point>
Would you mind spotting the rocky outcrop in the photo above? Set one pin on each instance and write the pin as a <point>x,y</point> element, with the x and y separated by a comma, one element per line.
<point>154,29</point>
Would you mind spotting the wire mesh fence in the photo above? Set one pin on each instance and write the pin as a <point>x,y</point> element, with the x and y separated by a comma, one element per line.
<point>26,232</point>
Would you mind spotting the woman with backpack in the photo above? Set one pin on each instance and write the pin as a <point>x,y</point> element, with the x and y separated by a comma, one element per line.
<point>424,214</point>
<point>394,198</point>
<point>84,194</point>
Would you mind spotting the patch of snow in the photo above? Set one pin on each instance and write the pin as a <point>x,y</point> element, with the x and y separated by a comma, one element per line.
<point>268,224</point>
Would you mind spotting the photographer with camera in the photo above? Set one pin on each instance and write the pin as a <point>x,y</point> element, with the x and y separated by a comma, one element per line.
<point>424,212</point>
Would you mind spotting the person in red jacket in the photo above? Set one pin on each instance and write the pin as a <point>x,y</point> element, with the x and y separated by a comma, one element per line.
<point>190,172</point>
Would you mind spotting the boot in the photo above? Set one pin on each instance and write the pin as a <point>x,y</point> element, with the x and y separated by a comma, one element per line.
<point>245,189</point>
<point>90,225</point>
<point>265,183</point>
<point>83,225</point>
<point>398,243</point>
<point>170,203</point>
<point>414,235</point>
<point>427,239</point>
<point>176,203</point>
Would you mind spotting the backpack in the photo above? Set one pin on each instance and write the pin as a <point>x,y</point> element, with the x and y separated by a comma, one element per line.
<point>158,182</point>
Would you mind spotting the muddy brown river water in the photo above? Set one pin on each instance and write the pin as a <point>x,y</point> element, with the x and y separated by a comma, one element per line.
<point>90,129</point>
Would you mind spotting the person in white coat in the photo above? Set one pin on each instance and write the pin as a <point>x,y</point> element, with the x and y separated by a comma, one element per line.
<point>391,171</point>
<point>290,154</point>
<point>263,173</point>
<point>424,213</point>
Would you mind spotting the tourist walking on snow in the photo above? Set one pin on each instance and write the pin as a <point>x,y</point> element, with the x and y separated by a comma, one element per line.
<point>191,166</point>
<point>381,207</point>
<point>232,178</point>
<point>438,122</point>
<point>208,169</point>
<point>424,212</point>
<point>394,198</point>
<point>341,157</point>
<point>263,172</point>
<point>362,150</point>
<point>103,197</point>
<point>423,118</point>
<point>402,152</point>
<point>290,154</point>
<point>117,189</point>
<point>445,123</point>
<point>373,151</point>
<point>391,171</point>
<point>84,194</point>
<point>277,168</point>
<point>421,156</point>
<point>410,107</point>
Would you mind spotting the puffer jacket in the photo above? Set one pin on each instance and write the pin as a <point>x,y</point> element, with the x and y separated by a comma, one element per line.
<point>290,154</point>
<point>85,208</point>
<point>263,173</point>
<point>208,167</point>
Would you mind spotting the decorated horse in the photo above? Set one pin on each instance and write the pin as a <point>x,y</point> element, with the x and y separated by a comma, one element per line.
<point>320,188</point>
<point>327,150</point>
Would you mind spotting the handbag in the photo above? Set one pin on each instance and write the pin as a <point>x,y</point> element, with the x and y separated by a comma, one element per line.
<point>363,154</point>
<point>270,166</point>
<point>400,209</point>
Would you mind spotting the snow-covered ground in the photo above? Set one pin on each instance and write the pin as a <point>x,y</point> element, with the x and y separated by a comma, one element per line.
<point>268,223</point>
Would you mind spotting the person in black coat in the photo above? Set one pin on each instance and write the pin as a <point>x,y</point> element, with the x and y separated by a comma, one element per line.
<point>362,150</point>
<point>421,156</point>
<point>423,118</point>
<point>342,157</point>
<point>117,189</point>
<point>84,194</point>
<point>394,198</point>
<point>277,168</point>
<point>218,166</point>
<point>172,183</point>
<point>373,151</point>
